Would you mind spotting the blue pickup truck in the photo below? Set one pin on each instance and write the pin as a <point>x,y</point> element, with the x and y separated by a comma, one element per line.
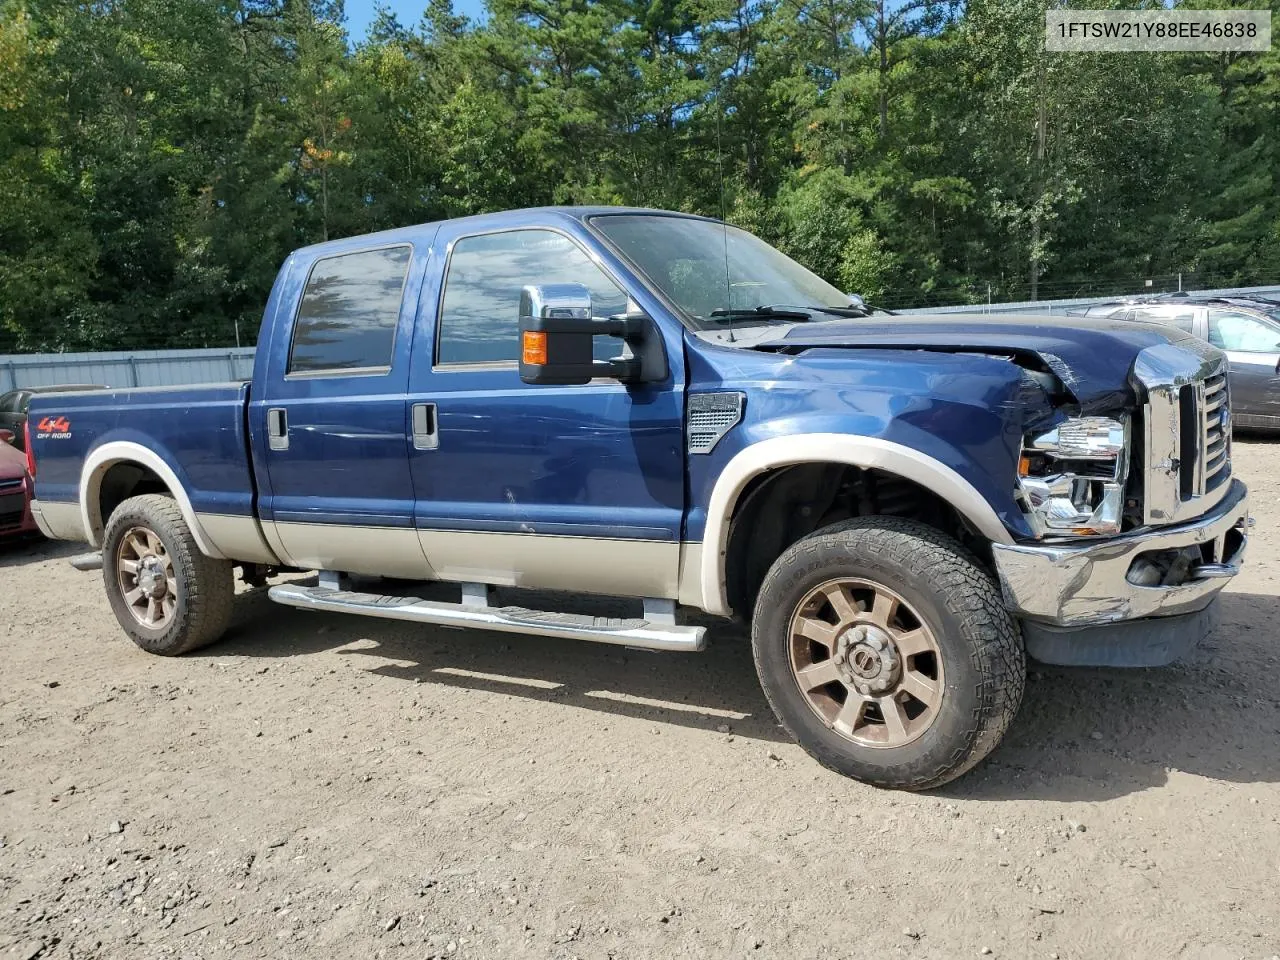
<point>664,408</point>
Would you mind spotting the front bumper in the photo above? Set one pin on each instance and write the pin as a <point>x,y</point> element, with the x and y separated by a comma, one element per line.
<point>1087,584</point>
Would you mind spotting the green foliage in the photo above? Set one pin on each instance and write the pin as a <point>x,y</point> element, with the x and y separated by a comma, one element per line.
<point>160,158</point>
<point>865,266</point>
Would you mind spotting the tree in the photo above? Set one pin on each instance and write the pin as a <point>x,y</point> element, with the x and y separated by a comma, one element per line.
<point>47,250</point>
<point>160,158</point>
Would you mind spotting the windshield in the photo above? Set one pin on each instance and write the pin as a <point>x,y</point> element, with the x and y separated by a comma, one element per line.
<point>706,268</point>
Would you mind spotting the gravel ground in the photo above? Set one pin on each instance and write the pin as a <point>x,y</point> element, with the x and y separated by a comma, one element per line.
<point>327,786</point>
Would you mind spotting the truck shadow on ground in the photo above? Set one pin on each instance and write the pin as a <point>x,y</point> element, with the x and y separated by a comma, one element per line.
<point>703,691</point>
<point>1081,735</point>
<point>1094,734</point>
<point>20,551</point>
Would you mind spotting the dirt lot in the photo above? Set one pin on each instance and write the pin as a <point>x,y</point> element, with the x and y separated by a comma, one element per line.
<point>321,786</point>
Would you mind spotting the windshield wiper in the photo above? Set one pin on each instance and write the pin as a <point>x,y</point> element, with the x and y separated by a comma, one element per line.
<point>851,312</point>
<point>763,313</point>
<point>854,313</point>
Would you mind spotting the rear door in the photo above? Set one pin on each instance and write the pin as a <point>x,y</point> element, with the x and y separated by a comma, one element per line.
<point>1252,346</point>
<point>329,414</point>
<point>572,487</point>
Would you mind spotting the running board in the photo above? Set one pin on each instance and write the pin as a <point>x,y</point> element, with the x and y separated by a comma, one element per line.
<point>571,626</point>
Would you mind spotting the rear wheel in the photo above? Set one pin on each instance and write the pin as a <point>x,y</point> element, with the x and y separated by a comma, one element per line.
<point>167,595</point>
<point>887,652</point>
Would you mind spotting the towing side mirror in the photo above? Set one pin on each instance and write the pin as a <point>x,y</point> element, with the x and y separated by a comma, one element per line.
<point>557,339</point>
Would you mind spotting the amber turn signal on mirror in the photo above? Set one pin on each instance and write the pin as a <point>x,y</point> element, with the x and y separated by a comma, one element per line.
<point>533,347</point>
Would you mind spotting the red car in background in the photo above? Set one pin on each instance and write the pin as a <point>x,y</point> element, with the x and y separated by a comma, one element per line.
<point>15,494</point>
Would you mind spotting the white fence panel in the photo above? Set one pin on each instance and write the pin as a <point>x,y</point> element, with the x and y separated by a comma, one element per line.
<point>127,368</point>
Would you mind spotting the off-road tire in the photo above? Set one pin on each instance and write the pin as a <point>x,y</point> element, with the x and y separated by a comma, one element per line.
<point>981,647</point>
<point>205,587</point>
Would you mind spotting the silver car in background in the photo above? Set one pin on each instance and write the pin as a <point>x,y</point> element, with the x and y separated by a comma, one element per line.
<point>1247,329</point>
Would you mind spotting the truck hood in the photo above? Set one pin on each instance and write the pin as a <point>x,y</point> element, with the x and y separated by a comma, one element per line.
<point>1093,358</point>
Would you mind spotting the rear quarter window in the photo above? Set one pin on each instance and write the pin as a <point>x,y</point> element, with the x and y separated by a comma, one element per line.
<point>1107,311</point>
<point>1184,318</point>
<point>349,310</point>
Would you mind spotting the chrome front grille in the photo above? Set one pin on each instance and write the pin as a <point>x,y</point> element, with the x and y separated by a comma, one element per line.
<point>1217,429</point>
<point>1187,430</point>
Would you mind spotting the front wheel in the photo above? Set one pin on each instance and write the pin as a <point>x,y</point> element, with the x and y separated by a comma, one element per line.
<point>167,595</point>
<point>886,651</point>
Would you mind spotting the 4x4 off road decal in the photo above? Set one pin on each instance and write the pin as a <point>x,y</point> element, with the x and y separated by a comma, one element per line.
<point>53,428</point>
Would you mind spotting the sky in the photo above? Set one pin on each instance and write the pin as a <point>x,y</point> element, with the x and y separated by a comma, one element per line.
<point>360,13</point>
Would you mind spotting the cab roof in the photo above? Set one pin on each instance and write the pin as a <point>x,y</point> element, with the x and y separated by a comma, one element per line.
<point>482,221</point>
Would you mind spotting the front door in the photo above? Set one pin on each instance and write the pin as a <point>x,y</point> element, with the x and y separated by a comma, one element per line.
<point>573,487</point>
<point>1252,346</point>
<point>331,423</point>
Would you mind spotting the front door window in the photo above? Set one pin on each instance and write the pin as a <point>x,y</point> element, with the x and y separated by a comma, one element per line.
<point>480,310</point>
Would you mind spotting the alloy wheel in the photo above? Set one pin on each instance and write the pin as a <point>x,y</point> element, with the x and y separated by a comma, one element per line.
<point>866,663</point>
<point>145,575</point>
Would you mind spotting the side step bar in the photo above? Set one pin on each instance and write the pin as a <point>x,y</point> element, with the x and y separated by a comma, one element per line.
<point>630,633</point>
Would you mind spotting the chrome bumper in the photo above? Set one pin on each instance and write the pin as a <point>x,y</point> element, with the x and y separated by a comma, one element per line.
<point>1085,584</point>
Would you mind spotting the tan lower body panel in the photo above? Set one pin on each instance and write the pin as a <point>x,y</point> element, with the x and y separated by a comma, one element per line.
<point>630,568</point>
<point>690,574</point>
<point>375,551</point>
<point>633,568</point>
<point>236,537</point>
<point>58,520</point>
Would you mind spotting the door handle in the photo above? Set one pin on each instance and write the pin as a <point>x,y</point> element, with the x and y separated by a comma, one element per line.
<point>277,428</point>
<point>426,433</point>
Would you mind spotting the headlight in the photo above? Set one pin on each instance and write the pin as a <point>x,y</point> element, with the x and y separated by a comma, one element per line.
<point>1072,478</point>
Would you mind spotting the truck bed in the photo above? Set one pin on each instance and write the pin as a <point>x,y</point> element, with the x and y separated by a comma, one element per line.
<point>199,432</point>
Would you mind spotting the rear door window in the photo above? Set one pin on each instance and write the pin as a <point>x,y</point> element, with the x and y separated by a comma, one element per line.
<point>349,310</point>
<point>1110,311</point>
<point>1184,318</point>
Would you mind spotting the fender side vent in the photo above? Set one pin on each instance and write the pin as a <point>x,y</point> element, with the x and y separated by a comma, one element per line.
<point>710,416</point>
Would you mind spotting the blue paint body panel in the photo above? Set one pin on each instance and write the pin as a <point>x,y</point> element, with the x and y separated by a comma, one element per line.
<point>1092,356</point>
<point>347,461</point>
<point>956,409</point>
<point>198,431</point>
<point>602,460</point>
